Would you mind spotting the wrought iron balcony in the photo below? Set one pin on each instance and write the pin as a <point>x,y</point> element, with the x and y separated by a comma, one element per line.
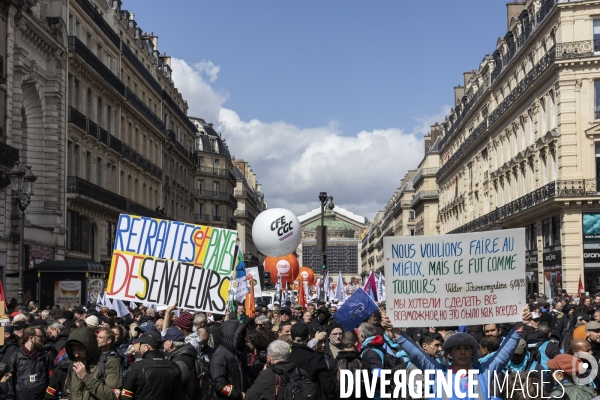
<point>76,46</point>
<point>115,144</point>
<point>82,187</point>
<point>137,64</point>
<point>211,194</point>
<point>213,171</point>
<point>103,136</point>
<point>134,208</point>
<point>178,111</point>
<point>139,105</point>
<point>216,218</point>
<point>201,218</point>
<point>95,16</point>
<point>136,158</point>
<point>513,96</point>
<point>9,156</point>
<point>78,119</point>
<point>231,223</point>
<point>427,194</point>
<point>92,129</point>
<point>579,49</point>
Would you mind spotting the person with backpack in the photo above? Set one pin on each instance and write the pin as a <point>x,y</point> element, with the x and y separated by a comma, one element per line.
<point>226,368</point>
<point>93,374</point>
<point>311,362</point>
<point>347,359</point>
<point>281,380</point>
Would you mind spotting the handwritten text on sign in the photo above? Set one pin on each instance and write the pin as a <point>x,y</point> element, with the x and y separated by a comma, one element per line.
<point>160,261</point>
<point>465,279</point>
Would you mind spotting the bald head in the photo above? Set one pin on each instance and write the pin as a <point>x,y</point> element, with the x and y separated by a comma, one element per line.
<point>580,345</point>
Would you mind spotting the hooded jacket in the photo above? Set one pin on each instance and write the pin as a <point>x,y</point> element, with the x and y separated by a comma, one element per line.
<point>153,378</point>
<point>92,386</point>
<point>314,365</point>
<point>264,385</point>
<point>185,358</point>
<point>29,375</point>
<point>225,366</point>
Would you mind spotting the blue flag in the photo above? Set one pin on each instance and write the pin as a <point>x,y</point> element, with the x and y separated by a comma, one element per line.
<point>355,310</point>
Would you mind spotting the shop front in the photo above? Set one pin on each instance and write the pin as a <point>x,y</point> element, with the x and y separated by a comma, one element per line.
<point>552,273</point>
<point>531,271</point>
<point>591,252</point>
<point>66,283</point>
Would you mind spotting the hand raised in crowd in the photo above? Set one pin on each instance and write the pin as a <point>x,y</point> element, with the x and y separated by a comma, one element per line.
<point>79,369</point>
<point>320,336</point>
<point>5,378</point>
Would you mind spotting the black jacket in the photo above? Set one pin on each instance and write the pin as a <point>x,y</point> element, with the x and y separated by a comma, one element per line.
<point>29,375</point>
<point>10,346</point>
<point>60,342</point>
<point>153,378</point>
<point>264,385</point>
<point>315,366</point>
<point>185,358</point>
<point>225,366</point>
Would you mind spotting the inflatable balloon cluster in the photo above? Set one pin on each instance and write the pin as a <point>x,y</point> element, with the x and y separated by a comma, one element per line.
<point>276,233</point>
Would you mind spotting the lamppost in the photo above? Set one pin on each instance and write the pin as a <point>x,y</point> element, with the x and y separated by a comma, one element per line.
<point>22,183</point>
<point>326,201</point>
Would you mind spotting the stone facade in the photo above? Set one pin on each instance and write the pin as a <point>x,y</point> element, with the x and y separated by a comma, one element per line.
<point>521,147</point>
<point>32,131</point>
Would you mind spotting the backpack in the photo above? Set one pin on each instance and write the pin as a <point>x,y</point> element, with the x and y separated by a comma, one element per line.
<point>349,365</point>
<point>205,382</point>
<point>388,360</point>
<point>298,386</point>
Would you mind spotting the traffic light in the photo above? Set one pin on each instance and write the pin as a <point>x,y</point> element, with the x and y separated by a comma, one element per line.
<point>324,261</point>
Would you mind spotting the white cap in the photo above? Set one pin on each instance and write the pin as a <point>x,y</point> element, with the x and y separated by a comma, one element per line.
<point>535,315</point>
<point>276,302</point>
<point>92,321</point>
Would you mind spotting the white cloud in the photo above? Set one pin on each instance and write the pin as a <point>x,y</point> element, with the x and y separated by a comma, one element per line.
<point>294,164</point>
<point>209,69</point>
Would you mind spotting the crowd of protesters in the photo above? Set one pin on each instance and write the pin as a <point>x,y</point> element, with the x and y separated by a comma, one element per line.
<point>287,352</point>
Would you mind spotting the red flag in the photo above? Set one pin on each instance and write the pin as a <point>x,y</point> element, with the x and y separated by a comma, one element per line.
<point>579,288</point>
<point>249,301</point>
<point>2,297</point>
<point>371,287</point>
<point>301,296</point>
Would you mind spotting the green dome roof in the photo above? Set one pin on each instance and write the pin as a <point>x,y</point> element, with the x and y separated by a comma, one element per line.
<point>331,222</point>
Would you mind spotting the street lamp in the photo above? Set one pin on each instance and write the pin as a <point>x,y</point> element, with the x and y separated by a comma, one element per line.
<point>326,201</point>
<point>22,183</point>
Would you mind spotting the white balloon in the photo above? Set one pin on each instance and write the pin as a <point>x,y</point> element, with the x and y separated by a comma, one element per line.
<point>276,232</point>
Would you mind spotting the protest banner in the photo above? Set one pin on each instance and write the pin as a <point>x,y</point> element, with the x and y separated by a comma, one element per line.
<point>160,261</point>
<point>463,279</point>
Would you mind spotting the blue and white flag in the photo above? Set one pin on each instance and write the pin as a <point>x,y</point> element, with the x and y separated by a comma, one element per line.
<point>241,284</point>
<point>120,308</point>
<point>356,309</point>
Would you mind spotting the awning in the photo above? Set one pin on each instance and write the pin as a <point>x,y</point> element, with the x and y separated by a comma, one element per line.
<point>72,266</point>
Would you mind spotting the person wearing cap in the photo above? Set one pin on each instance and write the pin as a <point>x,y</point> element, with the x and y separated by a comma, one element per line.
<point>297,311</point>
<point>92,322</point>
<point>94,375</point>
<point>285,314</point>
<point>185,323</point>
<point>276,305</point>
<point>146,327</point>
<point>310,361</point>
<point>153,377</point>
<point>184,355</point>
<point>322,321</point>
<point>592,333</point>
<point>564,368</point>
<point>462,348</point>
<point>226,370</point>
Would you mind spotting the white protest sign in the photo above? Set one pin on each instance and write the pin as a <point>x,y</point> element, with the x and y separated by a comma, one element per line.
<point>449,280</point>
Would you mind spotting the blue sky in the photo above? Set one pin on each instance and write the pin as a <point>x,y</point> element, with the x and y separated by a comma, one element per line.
<point>323,95</point>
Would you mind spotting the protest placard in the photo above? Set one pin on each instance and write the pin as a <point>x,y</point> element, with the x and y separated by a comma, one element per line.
<point>159,261</point>
<point>450,280</point>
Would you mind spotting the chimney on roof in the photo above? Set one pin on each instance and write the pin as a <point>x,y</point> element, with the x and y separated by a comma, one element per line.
<point>154,41</point>
<point>513,10</point>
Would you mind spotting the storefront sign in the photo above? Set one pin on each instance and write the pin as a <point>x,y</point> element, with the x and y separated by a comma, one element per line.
<point>159,261</point>
<point>466,279</point>
<point>591,227</point>
<point>553,258</point>
<point>531,261</point>
<point>67,293</point>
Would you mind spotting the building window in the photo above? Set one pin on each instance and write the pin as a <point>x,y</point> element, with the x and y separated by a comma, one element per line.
<point>544,170</point>
<point>543,116</point>
<point>551,232</point>
<point>100,112</point>
<point>530,237</point>
<point>524,179</point>
<point>88,166</point>
<point>531,127</point>
<point>533,183</point>
<point>217,211</point>
<point>596,36</point>
<point>89,104</point>
<point>214,146</point>
<point>99,172</point>
<point>70,158</point>
<point>552,110</point>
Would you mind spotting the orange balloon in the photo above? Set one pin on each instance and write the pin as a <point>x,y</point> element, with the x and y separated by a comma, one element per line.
<point>307,274</point>
<point>286,267</point>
